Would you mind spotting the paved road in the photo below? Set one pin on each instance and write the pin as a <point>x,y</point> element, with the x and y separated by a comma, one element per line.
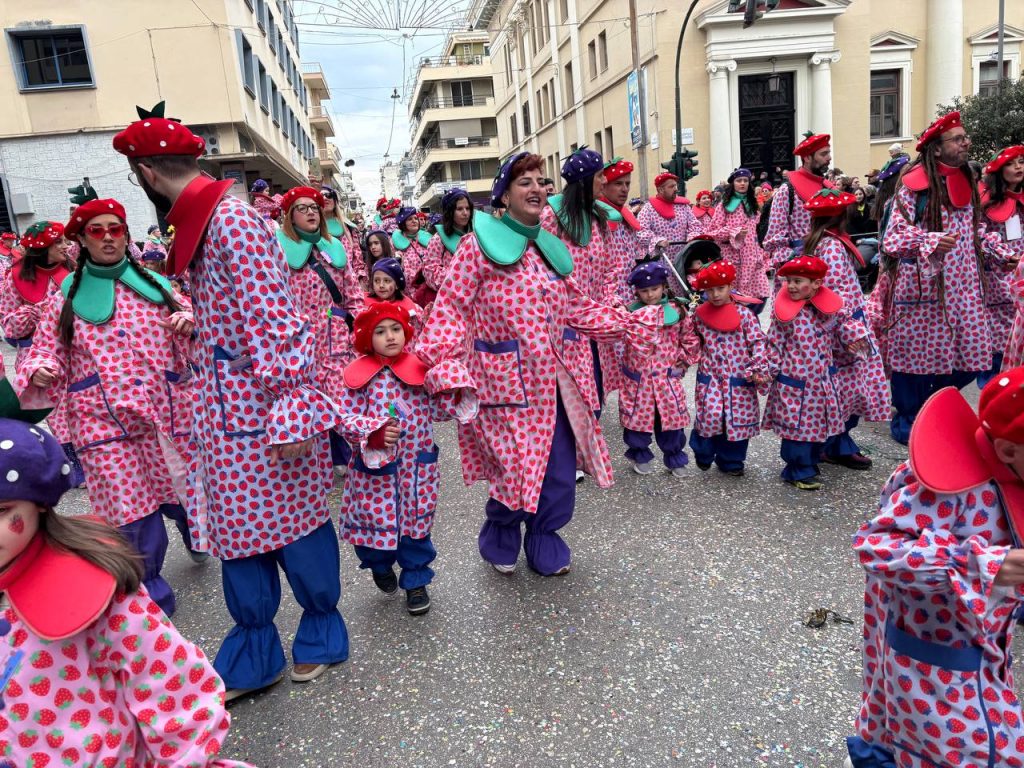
<point>677,639</point>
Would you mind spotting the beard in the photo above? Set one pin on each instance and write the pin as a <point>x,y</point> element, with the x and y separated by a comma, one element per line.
<point>819,170</point>
<point>162,203</point>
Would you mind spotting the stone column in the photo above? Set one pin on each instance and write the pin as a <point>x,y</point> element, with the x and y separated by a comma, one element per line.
<point>821,92</point>
<point>944,45</point>
<point>719,124</point>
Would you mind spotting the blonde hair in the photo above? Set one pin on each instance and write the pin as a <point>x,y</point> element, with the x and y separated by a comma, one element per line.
<point>289,227</point>
<point>97,543</point>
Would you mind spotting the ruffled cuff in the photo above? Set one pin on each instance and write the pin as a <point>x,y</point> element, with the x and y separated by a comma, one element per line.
<point>299,415</point>
<point>448,375</point>
<point>642,331</point>
<point>461,405</point>
<point>29,394</point>
<point>931,261</point>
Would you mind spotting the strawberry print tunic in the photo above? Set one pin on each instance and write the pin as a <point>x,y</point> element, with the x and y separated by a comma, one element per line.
<point>788,221</point>
<point>256,358</point>
<point>683,226</point>
<point>436,262</point>
<point>725,400</point>
<point>938,682</point>
<point>804,402</point>
<point>333,342</point>
<point>513,319</point>
<point>653,379</point>
<point>939,323</point>
<point>997,279</point>
<point>1014,355</point>
<point>860,379</point>
<point>412,261</point>
<point>744,253</point>
<point>125,383</point>
<point>126,691</point>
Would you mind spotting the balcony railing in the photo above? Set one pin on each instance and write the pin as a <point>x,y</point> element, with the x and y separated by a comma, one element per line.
<point>452,61</point>
<point>319,111</point>
<point>312,68</point>
<point>436,102</point>
<point>329,155</point>
<point>436,142</point>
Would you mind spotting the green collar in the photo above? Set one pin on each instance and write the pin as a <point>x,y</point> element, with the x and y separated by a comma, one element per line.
<point>734,203</point>
<point>401,242</point>
<point>669,313</point>
<point>297,253</point>
<point>505,241</point>
<point>335,228</point>
<point>95,298</point>
<point>451,242</point>
<point>308,237</point>
<point>557,201</point>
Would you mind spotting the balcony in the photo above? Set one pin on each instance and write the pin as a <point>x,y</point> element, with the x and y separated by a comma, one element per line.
<point>437,68</point>
<point>320,119</point>
<point>430,194</point>
<point>313,77</point>
<point>438,150</point>
<point>434,109</point>
<point>330,159</point>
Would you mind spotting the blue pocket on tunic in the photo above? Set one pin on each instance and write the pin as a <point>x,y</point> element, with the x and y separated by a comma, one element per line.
<point>497,368</point>
<point>91,420</point>
<point>425,484</point>
<point>243,403</point>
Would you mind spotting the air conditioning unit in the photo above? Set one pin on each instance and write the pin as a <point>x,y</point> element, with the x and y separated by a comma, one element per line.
<point>22,204</point>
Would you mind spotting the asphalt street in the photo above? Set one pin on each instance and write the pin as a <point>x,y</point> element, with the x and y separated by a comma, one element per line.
<point>677,639</point>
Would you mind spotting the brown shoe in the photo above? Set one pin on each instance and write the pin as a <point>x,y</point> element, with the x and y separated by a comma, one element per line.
<point>303,673</point>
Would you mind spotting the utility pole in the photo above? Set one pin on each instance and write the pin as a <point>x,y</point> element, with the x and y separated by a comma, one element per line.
<point>999,47</point>
<point>634,42</point>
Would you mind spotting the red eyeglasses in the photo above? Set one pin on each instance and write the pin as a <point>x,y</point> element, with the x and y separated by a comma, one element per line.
<point>98,231</point>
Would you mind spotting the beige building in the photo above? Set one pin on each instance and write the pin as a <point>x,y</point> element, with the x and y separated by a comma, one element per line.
<point>229,69</point>
<point>454,139</point>
<point>869,72</point>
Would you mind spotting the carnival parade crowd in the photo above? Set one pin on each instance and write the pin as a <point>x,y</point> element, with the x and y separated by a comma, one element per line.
<point>229,377</point>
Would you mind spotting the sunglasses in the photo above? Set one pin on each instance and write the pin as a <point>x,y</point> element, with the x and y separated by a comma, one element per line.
<point>98,231</point>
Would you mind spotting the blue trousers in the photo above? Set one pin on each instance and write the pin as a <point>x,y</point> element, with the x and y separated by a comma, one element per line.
<point>412,555</point>
<point>843,443</point>
<point>757,309</point>
<point>77,472</point>
<point>672,443</point>
<point>341,451</point>
<point>864,755</point>
<point>148,537</point>
<point>986,376</point>
<point>911,390</point>
<point>598,379</point>
<point>501,535</point>
<point>728,455</point>
<point>251,655</point>
<point>801,459</point>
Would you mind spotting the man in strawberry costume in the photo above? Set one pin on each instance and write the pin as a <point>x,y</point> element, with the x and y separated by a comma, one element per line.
<point>945,580</point>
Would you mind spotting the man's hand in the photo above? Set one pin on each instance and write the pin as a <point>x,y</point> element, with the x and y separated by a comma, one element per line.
<point>43,377</point>
<point>859,347</point>
<point>1011,574</point>
<point>946,244</point>
<point>288,451</point>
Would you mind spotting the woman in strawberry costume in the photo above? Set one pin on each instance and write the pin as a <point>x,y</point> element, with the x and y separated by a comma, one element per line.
<point>734,227</point>
<point>93,673</point>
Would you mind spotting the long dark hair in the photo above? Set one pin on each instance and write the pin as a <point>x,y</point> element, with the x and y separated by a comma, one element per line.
<point>883,194</point>
<point>66,323</point>
<point>386,250</point>
<point>35,258</point>
<point>577,200</point>
<point>448,216</point>
<point>937,195</point>
<point>819,224</point>
<point>97,543</point>
<point>750,197</point>
<point>997,187</point>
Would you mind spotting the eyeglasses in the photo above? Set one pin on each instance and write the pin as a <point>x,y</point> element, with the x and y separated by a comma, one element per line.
<point>963,138</point>
<point>306,208</point>
<point>98,231</point>
<point>133,179</point>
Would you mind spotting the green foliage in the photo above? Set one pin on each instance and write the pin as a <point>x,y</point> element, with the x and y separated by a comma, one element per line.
<point>993,122</point>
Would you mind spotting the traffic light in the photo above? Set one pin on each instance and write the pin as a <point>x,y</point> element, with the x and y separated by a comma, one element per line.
<point>82,194</point>
<point>675,165</point>
<point>689,165</point>
<point>752,9</point>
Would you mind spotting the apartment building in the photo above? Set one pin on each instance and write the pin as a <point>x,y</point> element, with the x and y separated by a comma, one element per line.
<point>869,72</point>
<point>454,140</point>
<point>229,69</point>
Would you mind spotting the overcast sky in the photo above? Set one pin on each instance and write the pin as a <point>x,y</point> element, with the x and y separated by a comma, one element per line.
<point>363,66</point>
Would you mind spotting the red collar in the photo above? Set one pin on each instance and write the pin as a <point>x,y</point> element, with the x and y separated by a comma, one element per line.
<point>665,210</point>
<point>190,215</point>
<point>950,453</point>
<point>1000,213</point>
<point>700,211</point>
<point>57,594</point>
<point>406,303</point>
<point>627,215</point>
<point>806,184</point>
<point>35,291</point>
<point>958,187</point>
<point>5,251</point>
<point>852,249</point>
<point>407,367</point>
<point>825,301</point>
<point>725,318</point>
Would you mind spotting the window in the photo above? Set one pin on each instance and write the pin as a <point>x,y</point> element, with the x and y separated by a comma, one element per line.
<point>275,102</point>
<point>271,33</point>
<point>546,27</point>
<point>261,14</point>
<point>988,78</point>
<point>570,87</point>
<point>526,120</point>
<point>609,144</point>
<point>885,103</point>
<point>471,169</point>
<point>597,143</point>
<point>53,60</point>
<point>534,28</point>
<point>264,85</point>
<point>543,104</point>
<point>592,55</point>
<point>602,51</point>
<point>551,96</point>
<point>248,71</point>
<point>563,9</point>
<point>281,50</point>
<point>462,93</point>
<point>515,130</point>
<point>508,62</point>
<point>284,116</point>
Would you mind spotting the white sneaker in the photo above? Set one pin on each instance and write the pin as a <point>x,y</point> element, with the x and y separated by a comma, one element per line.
<point>679,472</point>
<point>848,763</point>
<point>580,475</point>
<point>647,468</point>
<point>341,470</point>
<point>506,569</point>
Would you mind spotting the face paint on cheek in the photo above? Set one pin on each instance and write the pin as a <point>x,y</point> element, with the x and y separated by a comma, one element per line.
<point>16,525</point>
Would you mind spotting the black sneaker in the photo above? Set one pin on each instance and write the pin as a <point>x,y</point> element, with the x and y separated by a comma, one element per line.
<point>703,467</point>
<point>386,582</point>
<point>417,601</point>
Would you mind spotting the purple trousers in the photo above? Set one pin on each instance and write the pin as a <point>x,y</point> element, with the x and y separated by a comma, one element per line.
<point>501,535</point>
<point>148,537</point>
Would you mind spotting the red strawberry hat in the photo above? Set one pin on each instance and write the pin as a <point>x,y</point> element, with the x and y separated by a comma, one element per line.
<point>812,143</point>
<point>827,203</point>
<point>945,123</point>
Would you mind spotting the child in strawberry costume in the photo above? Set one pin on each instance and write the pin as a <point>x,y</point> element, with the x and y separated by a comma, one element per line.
<point>945,581</point>
<point>92,673</point>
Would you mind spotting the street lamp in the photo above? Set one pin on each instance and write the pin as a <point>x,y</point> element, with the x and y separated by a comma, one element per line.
<point>774,79</point>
